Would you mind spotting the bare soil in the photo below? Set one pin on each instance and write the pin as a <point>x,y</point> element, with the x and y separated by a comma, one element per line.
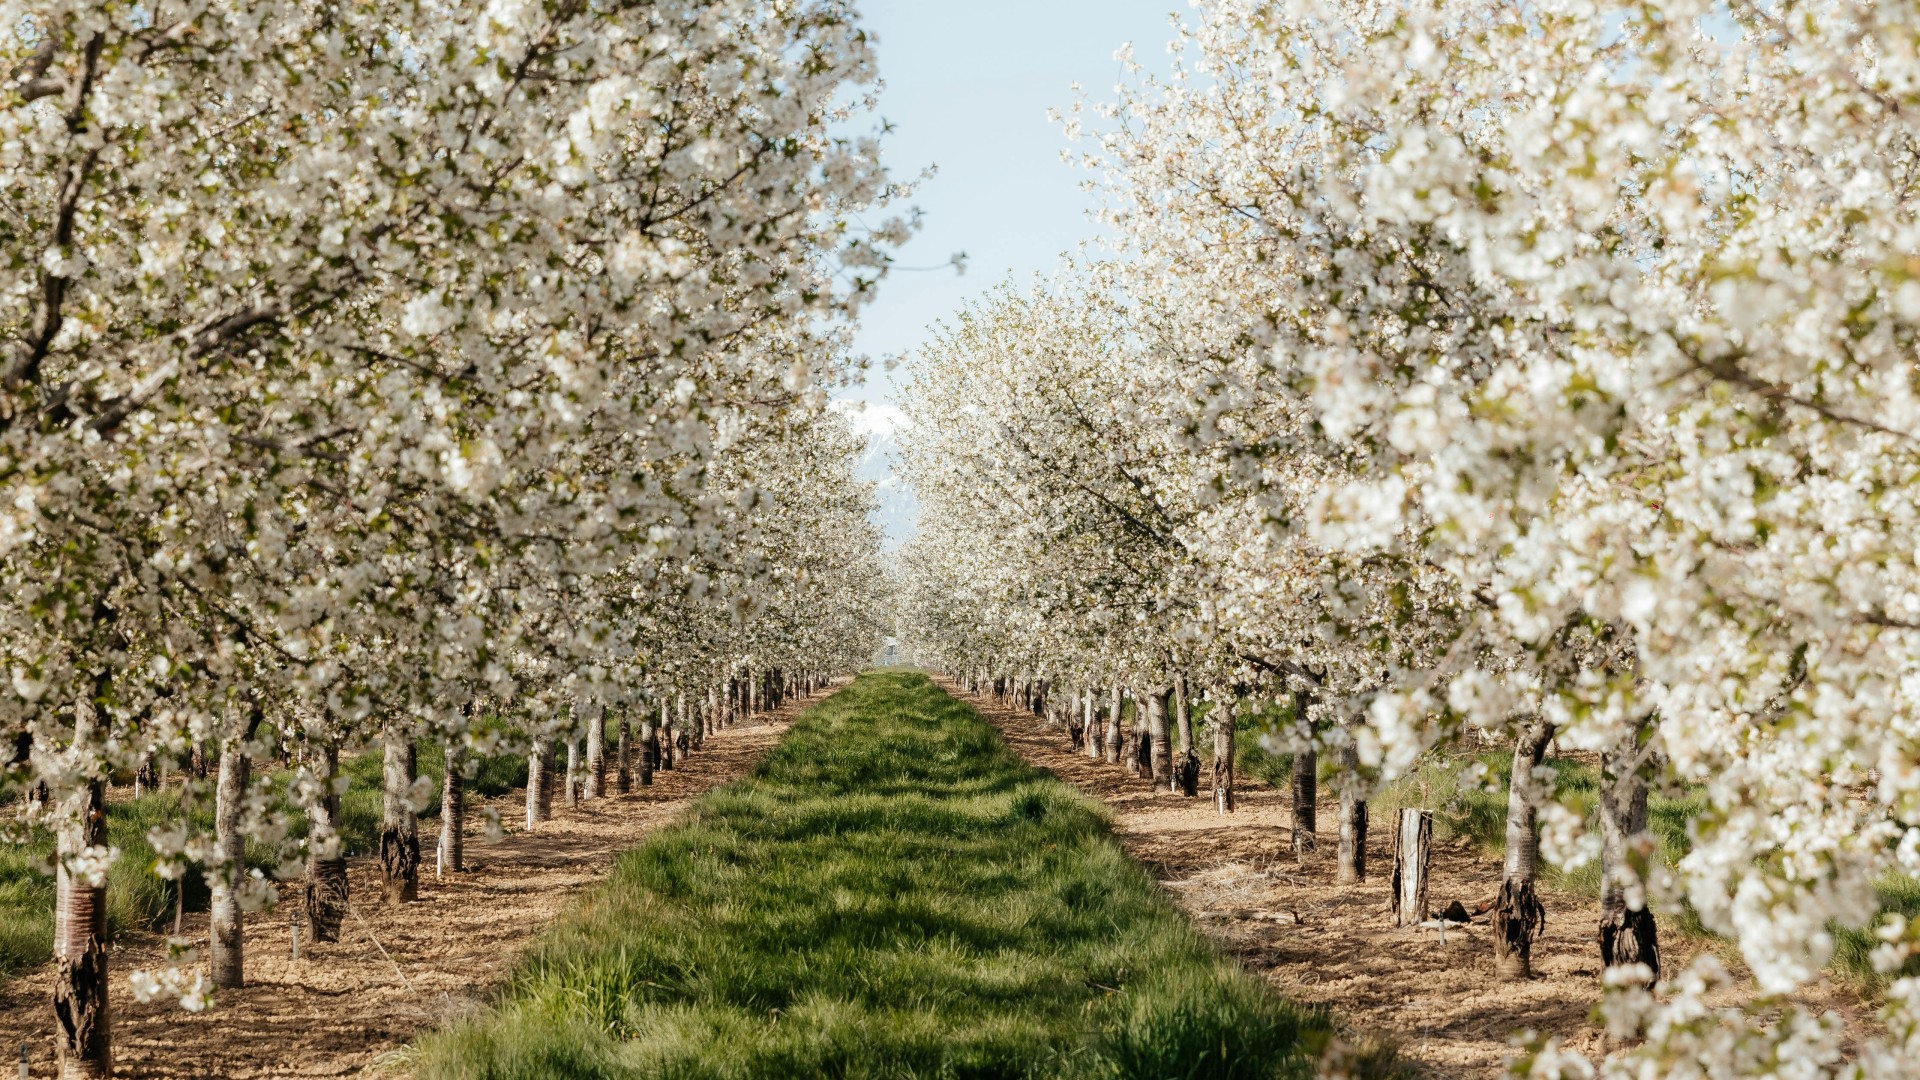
<point>1439,1001</point>
<point>349,1008</point>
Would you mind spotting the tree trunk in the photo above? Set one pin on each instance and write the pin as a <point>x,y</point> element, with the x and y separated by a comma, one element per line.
<point>573,771</point>
<point>1518,915</point>
<point>1159,751</point>
<point>1183,714</point>
<point>1220,714</point>
<point>453,807</point>
<point>1412,855</point>
<point>623,759</point>
<point>1352,853</point>
<point>80,934</point>
<point>649,749</point>
<point>1076,730</point>
<point>1113,729</point>
<point>667,751</point>
<point>1627,933</point>
<point>1186,769</point>
<point>225,960</point>
<point>326,891</point>
<point>597,754</point>
<point>540,781</point>
<point>400,829</point>
<point>1090,715</point>
<point>1132,745</point>
<point>1306,791</point>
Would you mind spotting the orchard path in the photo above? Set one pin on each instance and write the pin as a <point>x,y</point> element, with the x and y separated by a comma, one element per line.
<point>1317,942</point>
<point>343,1007</point>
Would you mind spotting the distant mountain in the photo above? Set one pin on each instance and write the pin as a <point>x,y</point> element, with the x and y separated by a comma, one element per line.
<point>899,512</point>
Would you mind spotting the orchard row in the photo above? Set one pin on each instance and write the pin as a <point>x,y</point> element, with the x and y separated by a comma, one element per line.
<point>408,372</point>
<point>1538,373</point>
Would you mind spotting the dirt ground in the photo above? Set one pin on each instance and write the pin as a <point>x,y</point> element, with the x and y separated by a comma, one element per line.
<point>1317,942</point>
<point>346,1006</point>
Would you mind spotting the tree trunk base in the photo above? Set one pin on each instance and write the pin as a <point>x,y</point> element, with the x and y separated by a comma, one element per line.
<point>80,1001</point>
<point>1518,920</point>
<point>1352,853</point>
<point>325,898</point>
<point>1628,936</point>
<point>1186,779</point>
<point>400,865</point>
<point>80,1007</point>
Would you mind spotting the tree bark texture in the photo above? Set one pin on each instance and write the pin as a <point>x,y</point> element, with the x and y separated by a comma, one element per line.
<point>1306,793</point>
<point>1090,719</point>
<point>1186,768</point>
<point>325,895</point>
<point>1518,916</point>
<point>1139,753</point>
<point>1627,933</point>
<point>623,759</point>
<point>400,829</point>
<point>1351,855</point>
<point>540,781</point>
<point>225,959</point>
<point>453,807</point>
<point>1159,748</point>
<point>573,771</point>
<point>80,1001</point>
<point>1221,716</point>
<point>1412,856</point>
<point>1113,729</point>
<point>597,754</point>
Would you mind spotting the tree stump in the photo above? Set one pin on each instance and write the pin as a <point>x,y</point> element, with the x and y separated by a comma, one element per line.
<point>1412,855</point>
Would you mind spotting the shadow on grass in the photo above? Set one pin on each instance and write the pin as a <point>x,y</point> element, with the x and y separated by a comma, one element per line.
<point>892,894</point>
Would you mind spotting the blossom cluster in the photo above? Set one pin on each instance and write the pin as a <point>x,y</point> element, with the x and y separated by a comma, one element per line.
<point>1481,363</point>
<point>365,368</point>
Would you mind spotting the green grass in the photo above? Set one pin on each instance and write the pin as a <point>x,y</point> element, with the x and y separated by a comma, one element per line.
<point>891,894</point>
<point>138,899</point>
<point>1464,809</point>
<point>1853,948</point>
<point>1251,759</point>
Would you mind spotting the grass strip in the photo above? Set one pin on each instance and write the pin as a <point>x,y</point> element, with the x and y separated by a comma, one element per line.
<point>891,894</point>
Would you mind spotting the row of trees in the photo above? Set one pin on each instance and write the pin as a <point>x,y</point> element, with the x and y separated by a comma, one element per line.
<point>1520,370</point>
<point>409,370</point>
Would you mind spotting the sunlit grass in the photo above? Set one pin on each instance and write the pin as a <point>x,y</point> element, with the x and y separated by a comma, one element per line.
<point>892,894</point>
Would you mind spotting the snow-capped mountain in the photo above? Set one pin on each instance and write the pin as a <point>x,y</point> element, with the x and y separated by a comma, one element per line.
<point>899,513</point>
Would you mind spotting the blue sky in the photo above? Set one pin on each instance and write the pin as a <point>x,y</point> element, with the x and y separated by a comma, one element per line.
<point>968,86</point>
